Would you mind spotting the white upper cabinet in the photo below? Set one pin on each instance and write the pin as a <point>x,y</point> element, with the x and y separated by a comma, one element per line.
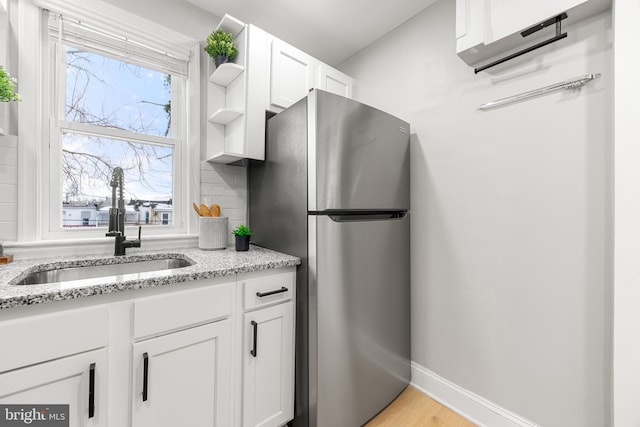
<point>268,73</point>
<point>292,73</point>
<point>508,17</point>
<point>334,81</point>
<point>488,28</point>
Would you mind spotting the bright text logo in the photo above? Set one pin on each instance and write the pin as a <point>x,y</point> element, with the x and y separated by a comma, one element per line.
<point>34,415</point>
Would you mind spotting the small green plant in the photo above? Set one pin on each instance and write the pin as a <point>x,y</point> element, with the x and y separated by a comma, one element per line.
<point>220,43</point>
<point>7,87</point>
<point>242,230</point>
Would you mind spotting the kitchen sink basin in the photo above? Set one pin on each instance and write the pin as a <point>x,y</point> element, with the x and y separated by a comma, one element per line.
<point>67,274</point>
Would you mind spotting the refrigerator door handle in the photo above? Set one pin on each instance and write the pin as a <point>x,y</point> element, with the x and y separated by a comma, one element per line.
<point>348,217</point>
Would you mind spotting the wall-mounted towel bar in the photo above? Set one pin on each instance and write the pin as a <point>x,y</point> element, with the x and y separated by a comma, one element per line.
<point>574,83</point>
<point>559,36</point>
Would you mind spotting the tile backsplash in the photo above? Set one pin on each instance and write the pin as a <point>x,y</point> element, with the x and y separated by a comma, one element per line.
<point>8,188</point>
<point>226,186</point>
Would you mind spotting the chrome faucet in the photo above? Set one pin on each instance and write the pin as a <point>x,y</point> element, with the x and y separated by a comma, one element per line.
<point>117,213</point>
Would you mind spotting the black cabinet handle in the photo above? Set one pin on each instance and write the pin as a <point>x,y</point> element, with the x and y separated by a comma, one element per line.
<point>254,352</point>
<point>92,389</point>
<point>266,294</point>
<point>145,376</point>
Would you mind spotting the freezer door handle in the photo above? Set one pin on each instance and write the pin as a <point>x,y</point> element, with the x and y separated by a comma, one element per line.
<point>349,217</point>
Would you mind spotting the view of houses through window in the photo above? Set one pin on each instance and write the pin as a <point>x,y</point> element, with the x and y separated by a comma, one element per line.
<point>116,114</point>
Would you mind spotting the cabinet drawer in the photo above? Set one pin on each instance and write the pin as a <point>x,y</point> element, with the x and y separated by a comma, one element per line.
<point>40,338</point>
<point>179,310</point>
<point>269,290</point>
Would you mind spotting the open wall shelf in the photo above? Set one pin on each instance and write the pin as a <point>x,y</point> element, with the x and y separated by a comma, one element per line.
<point>225,74</point>
<point>223,116</point>
<point>226,157</point>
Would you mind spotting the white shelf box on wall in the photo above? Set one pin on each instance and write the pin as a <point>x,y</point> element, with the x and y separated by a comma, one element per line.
<point>223,116</point>
<point>226,73</point>
<point>229,24</point>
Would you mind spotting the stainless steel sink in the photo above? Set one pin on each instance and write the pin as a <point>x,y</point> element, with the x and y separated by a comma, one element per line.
<point>67,274</point>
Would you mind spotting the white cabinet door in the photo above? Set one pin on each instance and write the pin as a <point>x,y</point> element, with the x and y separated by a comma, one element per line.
<point>508,16</point>
<point>184,378</point>
<point>334,81</point>
<point>484,21</point>
<point>292,73</point>
<point>488,28</point>
<point>268,366</point>
<point>470,24</point>
<point>78,381</point>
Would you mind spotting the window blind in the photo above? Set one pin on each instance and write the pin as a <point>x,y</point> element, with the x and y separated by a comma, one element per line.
<point>84,36</point>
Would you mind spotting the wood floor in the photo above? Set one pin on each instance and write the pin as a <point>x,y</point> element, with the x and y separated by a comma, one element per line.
<point>415,409</point>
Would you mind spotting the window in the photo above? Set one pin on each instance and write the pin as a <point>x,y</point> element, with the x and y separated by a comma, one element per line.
<point>114,103</point>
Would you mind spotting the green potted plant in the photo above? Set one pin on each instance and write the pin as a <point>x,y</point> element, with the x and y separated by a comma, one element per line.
<point>243,235</point>
<point>220,47</point>
<point>7,87</point>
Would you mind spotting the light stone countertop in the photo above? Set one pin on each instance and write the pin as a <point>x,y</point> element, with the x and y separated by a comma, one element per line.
<point>207,264</point>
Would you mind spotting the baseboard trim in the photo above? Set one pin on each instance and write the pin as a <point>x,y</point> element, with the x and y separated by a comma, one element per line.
<point>471,406</point>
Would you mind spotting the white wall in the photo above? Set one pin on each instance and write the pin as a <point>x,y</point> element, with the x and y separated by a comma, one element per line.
<point>180,16</point>
<point>511,215</point>
<point>627,217</point>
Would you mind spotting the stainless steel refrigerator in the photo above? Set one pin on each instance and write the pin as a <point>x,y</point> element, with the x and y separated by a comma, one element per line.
<point>334,190</point>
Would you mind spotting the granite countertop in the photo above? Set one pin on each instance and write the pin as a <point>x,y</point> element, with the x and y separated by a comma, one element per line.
<point>207,264</point>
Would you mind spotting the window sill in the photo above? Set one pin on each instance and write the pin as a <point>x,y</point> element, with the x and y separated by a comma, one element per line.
<point>94,246</point>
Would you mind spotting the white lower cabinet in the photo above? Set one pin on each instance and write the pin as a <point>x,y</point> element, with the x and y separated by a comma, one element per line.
<point>183,378</point>
<point>268,366</point>
<point>174,356</point>
<point>78,381</point>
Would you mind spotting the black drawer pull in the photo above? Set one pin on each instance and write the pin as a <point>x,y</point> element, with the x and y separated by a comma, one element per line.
<point>266,294</point>
<point>254,352</point>
<point>92,389</point>
<point>145,377</point>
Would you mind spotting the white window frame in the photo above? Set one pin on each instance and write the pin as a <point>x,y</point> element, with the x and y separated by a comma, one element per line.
<point>58,126</point>
<point>35,205</point>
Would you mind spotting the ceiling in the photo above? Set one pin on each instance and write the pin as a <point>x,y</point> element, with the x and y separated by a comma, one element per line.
<point>330,30</point>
